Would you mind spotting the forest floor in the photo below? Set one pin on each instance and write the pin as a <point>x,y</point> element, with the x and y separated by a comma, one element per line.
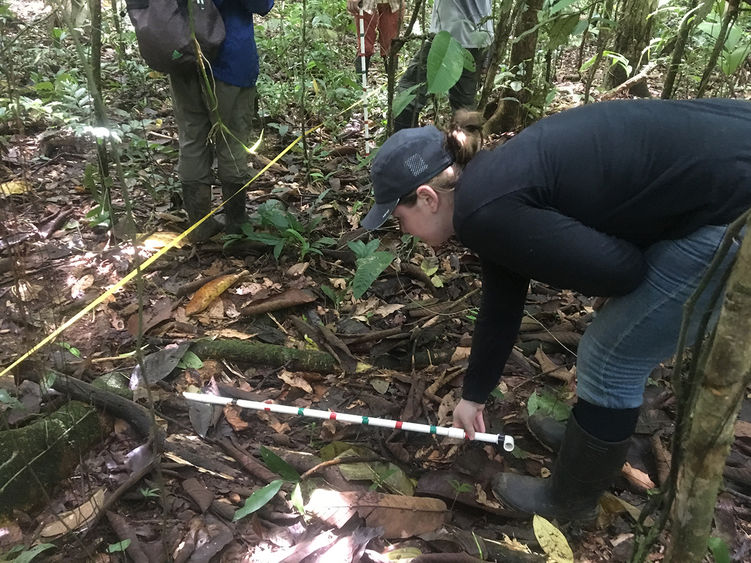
<point>411,331</point>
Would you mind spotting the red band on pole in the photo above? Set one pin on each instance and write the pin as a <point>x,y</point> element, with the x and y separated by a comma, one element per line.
<point>332,416</point>
<point>398,424</point>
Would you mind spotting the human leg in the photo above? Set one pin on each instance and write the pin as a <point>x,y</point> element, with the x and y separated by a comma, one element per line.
<point>414,77</point>
<point>369,27</point>
<point>629,337</point>
<point>195,157</point>
<point>462,95</point>
<point>234,106</point>
<point>388,27</point>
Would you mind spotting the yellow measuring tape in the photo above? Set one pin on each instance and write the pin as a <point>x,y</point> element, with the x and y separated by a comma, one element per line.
<point>146,263</point>
<point>171,244</point>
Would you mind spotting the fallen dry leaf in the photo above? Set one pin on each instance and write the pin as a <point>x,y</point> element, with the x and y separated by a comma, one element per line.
<point>637,477</point>
<point>294,380</point>
<point>233,415</point>
<point>209,292</point>
<point>550,368</point>
<point>400,516</point>
<point>74,519</point>
<point>742,429</point>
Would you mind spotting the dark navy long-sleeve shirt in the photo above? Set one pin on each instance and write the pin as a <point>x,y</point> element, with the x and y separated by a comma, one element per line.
<point>576,198</point>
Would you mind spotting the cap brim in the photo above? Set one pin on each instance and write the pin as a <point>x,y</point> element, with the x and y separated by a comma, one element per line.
<point>378,215</point>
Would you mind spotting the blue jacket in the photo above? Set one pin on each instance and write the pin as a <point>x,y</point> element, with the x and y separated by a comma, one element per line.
<point>237,60</point>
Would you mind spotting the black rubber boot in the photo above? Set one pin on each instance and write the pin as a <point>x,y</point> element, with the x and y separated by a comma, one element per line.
<point>235,213</point>
<point>197,203</point>
<point>585,467</point>
<point>547,431</point>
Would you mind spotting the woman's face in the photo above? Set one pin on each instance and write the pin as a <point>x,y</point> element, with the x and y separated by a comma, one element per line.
<point>431,218</point>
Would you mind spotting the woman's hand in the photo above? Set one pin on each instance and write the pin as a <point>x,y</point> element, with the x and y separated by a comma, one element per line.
<point>468,415</point>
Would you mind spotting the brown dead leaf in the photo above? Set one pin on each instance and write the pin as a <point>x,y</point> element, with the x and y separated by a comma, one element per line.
<point>158,313</point>
<point>209,292</point>
<point>400,516</point>
<point>297,270</point>
<point>460,354</point>
<point>637,478</point>
<point>202,496</point>
<point>81,285</point>
<point>549,367</point>
<point>233,415</point>
<point>742,429</point>
<point>74,519</point>
<point>295,380</point>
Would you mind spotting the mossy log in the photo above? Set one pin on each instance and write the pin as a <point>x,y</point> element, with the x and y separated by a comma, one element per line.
<point>35,458</point>
<point>265,354</point>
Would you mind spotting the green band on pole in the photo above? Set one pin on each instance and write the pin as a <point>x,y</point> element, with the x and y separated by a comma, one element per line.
<point>432,429</point>
<point>364,419</point>
<point>301,411</point>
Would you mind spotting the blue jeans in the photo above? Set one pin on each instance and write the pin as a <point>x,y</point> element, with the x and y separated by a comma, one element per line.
<point>632,334</point>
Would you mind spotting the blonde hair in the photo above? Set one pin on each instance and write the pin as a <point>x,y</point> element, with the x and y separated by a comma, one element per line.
<point>463,139</point>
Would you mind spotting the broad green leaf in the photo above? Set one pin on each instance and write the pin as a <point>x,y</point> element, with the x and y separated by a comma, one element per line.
<point>264,238</point>
<point>556,7</point>
<point>403,554</point>
<point>118,547</point>
<point>358,248</point>
<point>6,399</point>
<point>731,61</point>
<point>368,270</point>
<point>258,499</point>
<point>561,29</point>
<point>30,554</point>
<point>446,63</point>
<point>552,541</point>
<point>719,549</point>
<point>403,98</point>
<point>279,466</point>
<point>297,499</point>
<point>548,404</point>
<point>429,266</point>
<point>191,361</point>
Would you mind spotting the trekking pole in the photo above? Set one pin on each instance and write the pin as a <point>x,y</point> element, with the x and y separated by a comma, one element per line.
<point>505,440</point>
<point>364,74</point>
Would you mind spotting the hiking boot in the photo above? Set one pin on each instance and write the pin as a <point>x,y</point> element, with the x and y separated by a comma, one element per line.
<point>197,203</point>
<point>235,213</point>
<point>584,468</point>
<point>546,430</point>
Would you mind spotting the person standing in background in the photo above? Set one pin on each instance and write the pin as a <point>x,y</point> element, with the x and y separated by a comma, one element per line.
<point>468,22</point>
<point>233,75</point>
<point>384,17</point>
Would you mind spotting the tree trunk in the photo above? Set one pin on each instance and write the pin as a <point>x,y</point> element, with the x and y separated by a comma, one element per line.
<point>695,15</point>
<point>731,13</point>
<point>632,35</point>
<point>709,432</point>
<point>503,27</point>
<point>511,112</point>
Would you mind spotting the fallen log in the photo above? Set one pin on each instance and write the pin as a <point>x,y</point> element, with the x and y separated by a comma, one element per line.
<point>258,353</point>
<point>35,458</point>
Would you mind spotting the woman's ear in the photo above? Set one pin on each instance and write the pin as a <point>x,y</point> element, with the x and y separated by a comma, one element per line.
<point>429,196</point>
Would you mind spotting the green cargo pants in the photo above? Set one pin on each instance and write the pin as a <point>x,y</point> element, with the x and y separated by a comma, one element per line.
<point>461,95</point>
<point>195,119</point>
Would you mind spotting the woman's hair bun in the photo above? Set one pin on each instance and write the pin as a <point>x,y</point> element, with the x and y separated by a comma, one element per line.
<point>465,136</point>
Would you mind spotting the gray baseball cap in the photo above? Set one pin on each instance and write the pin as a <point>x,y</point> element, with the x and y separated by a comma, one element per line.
<point>407,159</point>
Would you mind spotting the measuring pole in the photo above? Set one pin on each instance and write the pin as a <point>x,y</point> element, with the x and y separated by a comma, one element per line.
<point>505,440</point>
<point>363,67</point>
